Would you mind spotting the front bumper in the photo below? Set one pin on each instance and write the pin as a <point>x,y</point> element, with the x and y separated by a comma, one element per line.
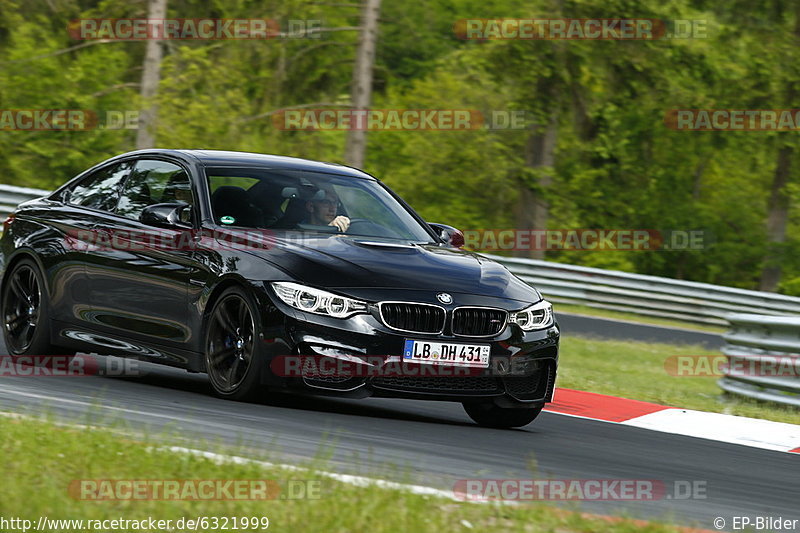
<point>361,357</point>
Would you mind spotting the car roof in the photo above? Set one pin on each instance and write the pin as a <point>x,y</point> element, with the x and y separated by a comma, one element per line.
<point>230,158</point>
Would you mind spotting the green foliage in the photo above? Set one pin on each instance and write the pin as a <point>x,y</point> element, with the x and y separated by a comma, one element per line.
<point>791,286</point>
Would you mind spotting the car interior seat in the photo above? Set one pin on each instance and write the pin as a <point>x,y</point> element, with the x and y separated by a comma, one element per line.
<point>267,197</point>
<point>234,202</point>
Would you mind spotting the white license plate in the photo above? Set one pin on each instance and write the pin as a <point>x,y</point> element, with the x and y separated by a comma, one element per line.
<point>447,353</point>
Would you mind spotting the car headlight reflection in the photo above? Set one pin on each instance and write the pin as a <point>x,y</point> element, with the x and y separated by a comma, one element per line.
<point>317,301</point>
<point>537,316</point>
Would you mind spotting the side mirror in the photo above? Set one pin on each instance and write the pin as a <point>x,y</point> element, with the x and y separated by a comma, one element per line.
<point>449,234</point>
<point>165,215</point>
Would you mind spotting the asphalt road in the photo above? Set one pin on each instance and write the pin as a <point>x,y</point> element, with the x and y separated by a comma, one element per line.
<point>432,443</point>
<point>603,328</point>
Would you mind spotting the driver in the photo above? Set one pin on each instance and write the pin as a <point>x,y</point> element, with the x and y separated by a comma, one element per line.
<point>323,212</point>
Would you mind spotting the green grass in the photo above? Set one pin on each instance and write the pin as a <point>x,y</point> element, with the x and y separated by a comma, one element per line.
<point>637,370</point>
<point>632,317</point>
<point>40,459</point>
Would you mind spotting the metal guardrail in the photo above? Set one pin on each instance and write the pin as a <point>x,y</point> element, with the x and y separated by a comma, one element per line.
<point>687,301</point>
<point>11,197</point>
<point>763,355</point>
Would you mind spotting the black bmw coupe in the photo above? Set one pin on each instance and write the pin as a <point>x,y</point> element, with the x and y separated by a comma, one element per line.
<point>269,273</point>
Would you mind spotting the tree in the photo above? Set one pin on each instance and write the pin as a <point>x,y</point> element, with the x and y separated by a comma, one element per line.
<point>361,92</point>
<point>778,207</point>
<point>151,75</point>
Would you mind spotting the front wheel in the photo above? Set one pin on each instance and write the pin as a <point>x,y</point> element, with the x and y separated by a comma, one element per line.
<point>234,361</point>
<point>492,416</point>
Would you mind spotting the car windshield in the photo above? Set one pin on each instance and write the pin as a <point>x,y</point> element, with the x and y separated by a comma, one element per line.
<point>280,199</point>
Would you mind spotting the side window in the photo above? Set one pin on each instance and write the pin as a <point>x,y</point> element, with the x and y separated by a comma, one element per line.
<point>100,189</point>
<point>154,182</point>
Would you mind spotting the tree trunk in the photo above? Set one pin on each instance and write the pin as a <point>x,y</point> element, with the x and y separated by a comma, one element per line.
<point>361,90</point>
<point>151,75</point>
<point>697,182</point>
<point>532,209</point>
<point>777,217</point>
<point>778,209</point>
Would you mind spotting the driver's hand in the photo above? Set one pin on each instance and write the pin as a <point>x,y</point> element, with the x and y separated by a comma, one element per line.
<point>341,222</point>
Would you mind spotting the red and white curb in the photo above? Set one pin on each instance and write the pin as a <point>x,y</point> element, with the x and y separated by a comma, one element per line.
<point>753,432</point>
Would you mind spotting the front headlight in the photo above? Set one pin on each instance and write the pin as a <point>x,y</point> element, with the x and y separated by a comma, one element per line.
<point>537,316</point>
<point>316,301</point>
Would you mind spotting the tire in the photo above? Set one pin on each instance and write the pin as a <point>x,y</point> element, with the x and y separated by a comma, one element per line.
<point>234,356</point>
<point>26,313</point>
<point>491,416</point>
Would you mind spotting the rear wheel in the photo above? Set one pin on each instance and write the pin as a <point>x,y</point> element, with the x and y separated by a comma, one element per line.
<point>234,360</point>
<point>492,416</point>
<point>26,314</point>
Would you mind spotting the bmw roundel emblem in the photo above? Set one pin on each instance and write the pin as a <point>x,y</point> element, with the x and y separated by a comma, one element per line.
<point>444,298</point>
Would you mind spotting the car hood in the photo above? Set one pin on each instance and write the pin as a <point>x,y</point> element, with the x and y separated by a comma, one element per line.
<point>359,263</point>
